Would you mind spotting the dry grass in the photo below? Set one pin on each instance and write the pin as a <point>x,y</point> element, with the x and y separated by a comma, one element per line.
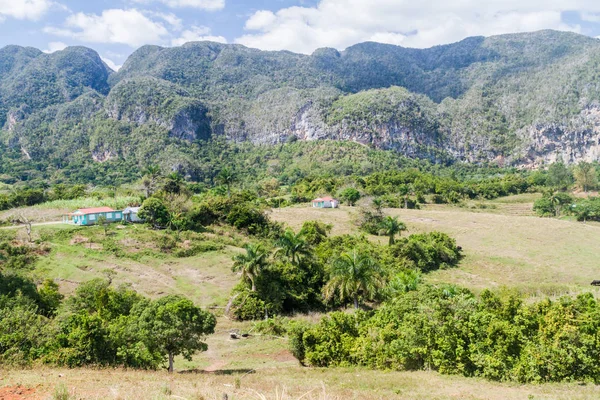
<point>281,383</point>
<point>536,255</point>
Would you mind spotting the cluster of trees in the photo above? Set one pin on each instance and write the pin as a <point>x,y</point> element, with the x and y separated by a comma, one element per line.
<point>172,205</point>
<point>99,325</point>
<point>453,331</point>
<point>311,270</point>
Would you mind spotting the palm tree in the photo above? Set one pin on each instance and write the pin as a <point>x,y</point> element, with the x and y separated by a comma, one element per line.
<point>390,226</point>
<point>174,183</point>
<point>377,205</point>
<point>353,274</point>
<point>293,246</point>
<point>150,179</point>
<point>252,263</point>
<point>226,177</point>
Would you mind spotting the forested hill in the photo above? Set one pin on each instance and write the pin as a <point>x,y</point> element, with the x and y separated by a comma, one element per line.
<point>521,99</point>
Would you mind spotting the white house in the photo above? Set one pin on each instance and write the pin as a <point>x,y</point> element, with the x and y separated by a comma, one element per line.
<point>130,214</point>
<point>325,202</point>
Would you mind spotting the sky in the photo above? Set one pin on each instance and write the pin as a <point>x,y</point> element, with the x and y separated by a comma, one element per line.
<point>116,28</point>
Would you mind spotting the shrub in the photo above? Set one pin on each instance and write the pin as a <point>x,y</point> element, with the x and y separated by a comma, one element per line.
<point>247,305</point>
<point>427,251</point>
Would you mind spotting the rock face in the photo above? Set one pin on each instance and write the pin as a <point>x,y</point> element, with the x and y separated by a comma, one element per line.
<point>523,99</point>
<point>391,135</point>
<point>579,140</point>
<point>146,100</point>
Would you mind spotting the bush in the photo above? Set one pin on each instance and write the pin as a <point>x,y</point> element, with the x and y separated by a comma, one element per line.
<point>448,329</point>
<point>350,196</point>
<point>198,248</point>
<point>427,251</point>
<point>273,326</point>
<point>315,232</point>
<point>247,305</point>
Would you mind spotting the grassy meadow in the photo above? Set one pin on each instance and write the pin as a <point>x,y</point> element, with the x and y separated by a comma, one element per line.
<point>503,246</point>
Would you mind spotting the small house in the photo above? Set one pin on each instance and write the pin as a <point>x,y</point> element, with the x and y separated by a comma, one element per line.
<point>90,216</point>
<point>325,202</point>
<point>130,214</point>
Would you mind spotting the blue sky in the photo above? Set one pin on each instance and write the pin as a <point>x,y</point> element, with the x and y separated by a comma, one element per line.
<point>115,28</point>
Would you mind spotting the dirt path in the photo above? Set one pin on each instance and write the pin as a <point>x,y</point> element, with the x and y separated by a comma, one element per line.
<point>34,224</point>
<point>216,366</point>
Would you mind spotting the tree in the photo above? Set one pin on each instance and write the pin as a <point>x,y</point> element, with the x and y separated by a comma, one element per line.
<point>103,222</point>
<point>315,232</point>
<point>173,183</point>
<point>559,200</point>
<point>154,212</point>
<point>226,177</point>
<point>350,196</point>
<point>151,179</point>
<point>559,176</point>
<point>377,205</point>
<point>176,222</point>
<point>50,297</point>
<point>390,226</point>
<point>26,221</point>
<point>404,191</point>
<point>353,274</point>
<point>585,176</point>
<point>173,325</point>
<point>293,246</point>
<point>252,263</point>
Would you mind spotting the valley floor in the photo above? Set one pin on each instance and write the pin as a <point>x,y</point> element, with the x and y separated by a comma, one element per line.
<point>504,246</point>
<point>278,383</point>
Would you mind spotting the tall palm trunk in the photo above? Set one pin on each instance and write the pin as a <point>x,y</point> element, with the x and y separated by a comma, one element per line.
<point>355,301</point>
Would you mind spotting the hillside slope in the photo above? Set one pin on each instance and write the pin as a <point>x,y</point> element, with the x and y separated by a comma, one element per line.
<point>521,99</point>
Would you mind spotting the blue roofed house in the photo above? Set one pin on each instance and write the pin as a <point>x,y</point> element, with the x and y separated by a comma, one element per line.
<point>90,216</point>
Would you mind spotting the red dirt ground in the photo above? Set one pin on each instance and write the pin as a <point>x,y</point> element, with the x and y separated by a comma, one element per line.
<point>17,393</point>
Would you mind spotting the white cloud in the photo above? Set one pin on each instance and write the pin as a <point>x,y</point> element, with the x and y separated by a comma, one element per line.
<point>24,9</point>
<point>197,34</point>
<point>590,17</point>
<point>111,64</point>
<point>129,27</point>
<point>173,20</point>
<point>341,23</point>
<point>55,46</point>
<point>209,5</point>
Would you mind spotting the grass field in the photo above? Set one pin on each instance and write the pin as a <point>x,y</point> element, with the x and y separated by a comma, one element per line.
<point>502,243</point>
<point>80,254</point>
<point>54,210</point>
<point>534,255</point>
<point>277,383</point>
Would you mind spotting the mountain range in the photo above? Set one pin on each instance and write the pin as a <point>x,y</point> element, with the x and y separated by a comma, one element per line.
<point>519,99</point>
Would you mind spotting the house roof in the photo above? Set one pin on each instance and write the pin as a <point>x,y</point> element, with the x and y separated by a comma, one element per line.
<point>129,210</point>
<point>93,210</point>
<point>326,198</point>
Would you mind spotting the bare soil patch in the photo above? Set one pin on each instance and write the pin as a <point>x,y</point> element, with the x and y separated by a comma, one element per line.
<point>17,393</point>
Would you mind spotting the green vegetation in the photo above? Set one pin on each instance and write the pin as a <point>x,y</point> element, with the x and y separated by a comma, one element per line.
<point>223,224</point>
<point>99,325</point>
<point>66,112</point>
<point>450,330</point>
